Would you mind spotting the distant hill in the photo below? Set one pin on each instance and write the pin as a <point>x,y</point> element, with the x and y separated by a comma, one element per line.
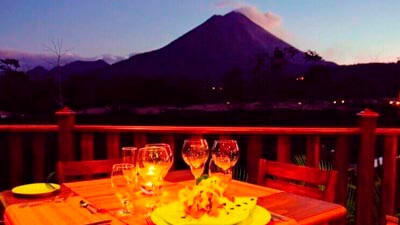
<point>37,73</point>
<point>211,50</point>
<point>80,67</point>
<point>73,68</point>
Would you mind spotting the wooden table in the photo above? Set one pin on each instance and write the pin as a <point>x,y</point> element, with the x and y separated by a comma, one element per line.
<point>299,210</point>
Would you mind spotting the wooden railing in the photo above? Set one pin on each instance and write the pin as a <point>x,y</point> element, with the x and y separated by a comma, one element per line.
<point>68,131</point>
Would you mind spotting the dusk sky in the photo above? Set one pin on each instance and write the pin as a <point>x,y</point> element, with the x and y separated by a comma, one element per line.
<point>342,31</point>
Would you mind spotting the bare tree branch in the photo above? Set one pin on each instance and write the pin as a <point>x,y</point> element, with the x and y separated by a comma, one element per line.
<point>56,48</point>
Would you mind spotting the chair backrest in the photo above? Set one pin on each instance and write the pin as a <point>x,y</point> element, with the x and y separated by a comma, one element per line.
<point>179,175</point>
<point>83,170</point>
<point>306,181</point>
<point>391,220</point>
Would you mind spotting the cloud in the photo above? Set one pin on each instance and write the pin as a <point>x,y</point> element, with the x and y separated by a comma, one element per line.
<point>30,60</point>
<point>268,20</point>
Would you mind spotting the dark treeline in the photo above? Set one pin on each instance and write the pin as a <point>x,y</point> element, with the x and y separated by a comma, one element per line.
<point>272,79</point>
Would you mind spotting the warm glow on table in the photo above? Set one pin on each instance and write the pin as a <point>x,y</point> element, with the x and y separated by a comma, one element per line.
<point>99,193</point>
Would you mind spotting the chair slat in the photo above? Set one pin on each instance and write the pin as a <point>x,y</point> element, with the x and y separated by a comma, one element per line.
<point>86,169</point>
<point>391,220</point>
<point>179,175</point>
<point>295,172</point>
<point>292,172</point>
<point>302,190</point>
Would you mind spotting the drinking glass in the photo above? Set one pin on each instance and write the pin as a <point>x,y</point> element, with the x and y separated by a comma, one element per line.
<point>195,154</point>
<point>123,181</point>
<point>225,153</point>
<point>152,162</point>
<point>216,171</point>
<point>169,151</point>
<point>129,155</point>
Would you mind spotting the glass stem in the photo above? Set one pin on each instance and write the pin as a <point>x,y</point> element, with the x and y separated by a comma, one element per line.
<point>125,203</point>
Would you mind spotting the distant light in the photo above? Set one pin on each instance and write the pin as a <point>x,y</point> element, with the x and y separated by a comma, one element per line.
<point>228,103</point>
<point>300,78</point>
<point>397,103</point>
<point>220,88</point>
<point>342,101</point>
<point>334,102</point>
<point>213,88</point>
<point>391,102</point>
<point>299,103</point>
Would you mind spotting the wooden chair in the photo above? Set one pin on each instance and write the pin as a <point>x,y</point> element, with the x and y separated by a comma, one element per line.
<point>179,175</point>
<point>301,180</point>
<point>83,170</point>
<point>391,220</point>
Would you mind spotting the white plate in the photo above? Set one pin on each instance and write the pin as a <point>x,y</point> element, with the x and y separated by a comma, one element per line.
<point>36,189</point>
<point>259,216</point>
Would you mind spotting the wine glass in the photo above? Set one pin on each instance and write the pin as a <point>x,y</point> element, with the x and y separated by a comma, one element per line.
<point>216,171</point>
<point>169,151</point>
<point>152,162</point>
<point>225,154</point>
<point>195,154</point>
<point>123,181</point>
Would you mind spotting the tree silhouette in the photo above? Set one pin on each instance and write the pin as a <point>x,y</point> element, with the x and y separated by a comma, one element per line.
<point>9,65</point>
<point>15,87</point>
<point>56,48</point>
<point>312,56</point>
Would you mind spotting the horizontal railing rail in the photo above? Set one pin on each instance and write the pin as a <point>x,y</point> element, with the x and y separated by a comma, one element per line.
<point>67,132</point>
<point>220,130</point>
<point>28,128</point>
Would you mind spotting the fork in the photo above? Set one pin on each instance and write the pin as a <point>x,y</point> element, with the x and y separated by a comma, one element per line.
<point>277,217</point>
<point>148,220</point>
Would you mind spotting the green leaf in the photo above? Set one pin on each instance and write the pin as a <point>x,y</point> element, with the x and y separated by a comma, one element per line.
<point>198,180</point>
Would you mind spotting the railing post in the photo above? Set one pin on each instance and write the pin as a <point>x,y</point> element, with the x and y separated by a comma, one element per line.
<point>66,123</point>
<point>341,164</point>
<point>313,151</point>
<point>17,159</point>
<point>283,149</point>
<point>365,171</point>
<point>254,153</point>
<point>389,177</point>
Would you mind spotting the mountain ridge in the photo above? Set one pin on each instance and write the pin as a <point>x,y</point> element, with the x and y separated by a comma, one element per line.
<point>208,51</point>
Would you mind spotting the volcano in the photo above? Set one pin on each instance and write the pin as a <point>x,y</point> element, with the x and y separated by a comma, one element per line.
<point>209,51</point>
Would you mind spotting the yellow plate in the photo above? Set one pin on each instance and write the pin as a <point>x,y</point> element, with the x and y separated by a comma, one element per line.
<point>259,216</point>
<point>36,189</point>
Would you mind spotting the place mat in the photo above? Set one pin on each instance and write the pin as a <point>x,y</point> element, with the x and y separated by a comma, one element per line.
<point>99,187</point>
<point>55,212</point>
<point>8,198</point>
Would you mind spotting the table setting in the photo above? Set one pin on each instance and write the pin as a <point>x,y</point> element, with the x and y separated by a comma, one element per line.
<point>136,192</point>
